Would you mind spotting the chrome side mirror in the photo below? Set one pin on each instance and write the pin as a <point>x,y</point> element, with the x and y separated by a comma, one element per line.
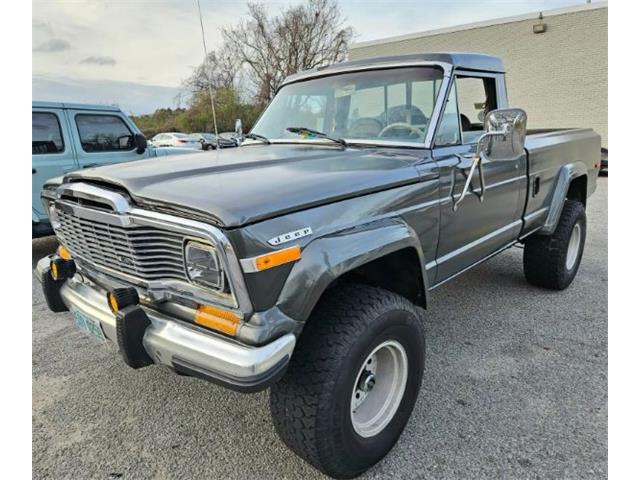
<point>504,134</point>
<point>503,139</point>
<point>239,133</point>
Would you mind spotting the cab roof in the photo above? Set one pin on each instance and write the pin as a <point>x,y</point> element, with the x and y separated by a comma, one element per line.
<point>459,60</point>
<point>74,106</point>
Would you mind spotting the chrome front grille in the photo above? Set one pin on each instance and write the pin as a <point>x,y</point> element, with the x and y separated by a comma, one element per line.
<point>144,252</point>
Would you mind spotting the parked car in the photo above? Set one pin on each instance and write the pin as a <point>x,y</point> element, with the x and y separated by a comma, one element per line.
<point>67,136</point>
<point>176,139</point>
<point>303,260</point>
<point>604,162</point>
<point>209,142</point>
<point>231,137</point>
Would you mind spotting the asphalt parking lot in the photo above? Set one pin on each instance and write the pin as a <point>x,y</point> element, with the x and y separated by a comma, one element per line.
<point>515,387</point>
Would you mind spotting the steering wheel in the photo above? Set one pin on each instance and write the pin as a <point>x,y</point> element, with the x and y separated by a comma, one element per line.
<point>400,125</point>
<point>365,127</point>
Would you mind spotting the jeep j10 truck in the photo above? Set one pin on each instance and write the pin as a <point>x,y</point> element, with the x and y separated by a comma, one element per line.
<point>302,261</point>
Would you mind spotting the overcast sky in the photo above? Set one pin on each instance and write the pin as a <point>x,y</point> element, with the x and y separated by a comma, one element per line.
<point>136,52</point>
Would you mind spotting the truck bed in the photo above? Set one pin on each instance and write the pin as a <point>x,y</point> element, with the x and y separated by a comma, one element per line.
<point>546,149</point>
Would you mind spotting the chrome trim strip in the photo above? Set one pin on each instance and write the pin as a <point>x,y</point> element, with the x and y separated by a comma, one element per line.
<point>249,265</point>
<point>117,201</point>
<point>482,260</point>
<point>479,241</point>
<point>536,214</point>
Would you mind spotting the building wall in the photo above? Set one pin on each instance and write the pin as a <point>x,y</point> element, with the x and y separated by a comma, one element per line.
<point>559,77</point>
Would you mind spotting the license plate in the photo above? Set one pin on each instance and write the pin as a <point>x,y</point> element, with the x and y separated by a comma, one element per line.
<point>88,325</point>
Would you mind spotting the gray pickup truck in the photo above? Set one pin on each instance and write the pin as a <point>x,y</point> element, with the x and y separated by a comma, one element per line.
<point>303,260</point>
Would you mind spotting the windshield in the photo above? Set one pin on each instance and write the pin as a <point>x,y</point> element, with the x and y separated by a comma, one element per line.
<point>392,105</point>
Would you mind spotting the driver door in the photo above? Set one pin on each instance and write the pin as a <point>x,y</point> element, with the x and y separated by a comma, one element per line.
<point>476,229</point>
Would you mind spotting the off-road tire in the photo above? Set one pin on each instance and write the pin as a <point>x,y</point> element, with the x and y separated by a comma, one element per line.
<point>311,407</point>
<point>545,255</point>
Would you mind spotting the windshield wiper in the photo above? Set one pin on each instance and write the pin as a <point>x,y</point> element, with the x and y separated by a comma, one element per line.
<point>257,136</point>
<point>308,131</point>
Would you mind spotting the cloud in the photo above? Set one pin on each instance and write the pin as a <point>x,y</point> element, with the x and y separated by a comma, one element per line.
<point>42,26</point>
<point>132,97</point>
<point>53,45</point>
<point>98,60</point>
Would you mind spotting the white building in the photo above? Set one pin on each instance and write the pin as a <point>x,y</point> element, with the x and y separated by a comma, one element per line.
<point>556,65</point>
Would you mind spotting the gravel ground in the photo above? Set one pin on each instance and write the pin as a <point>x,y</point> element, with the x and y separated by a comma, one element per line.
<point>515,387</point>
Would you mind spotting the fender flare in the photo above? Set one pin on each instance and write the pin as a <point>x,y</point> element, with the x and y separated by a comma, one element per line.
<point>567,174</point>
<point>327,258</point>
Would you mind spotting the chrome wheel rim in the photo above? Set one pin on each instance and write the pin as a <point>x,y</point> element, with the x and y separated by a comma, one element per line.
<point>574,246</point>
<point>379,388</point>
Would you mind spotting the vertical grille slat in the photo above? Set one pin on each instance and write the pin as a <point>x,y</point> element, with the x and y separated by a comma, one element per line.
<point>144,252</point>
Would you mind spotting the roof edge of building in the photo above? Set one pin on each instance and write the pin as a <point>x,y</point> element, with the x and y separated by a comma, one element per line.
<point>482,24</point>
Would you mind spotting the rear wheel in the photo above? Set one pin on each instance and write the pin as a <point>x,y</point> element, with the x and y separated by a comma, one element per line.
<point>353,380</point>
<point>552,261</point>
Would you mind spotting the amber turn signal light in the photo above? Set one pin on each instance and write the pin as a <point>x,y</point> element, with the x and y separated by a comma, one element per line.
<point>217,319</point>
<point>280,257</point>
<point>63,253</point>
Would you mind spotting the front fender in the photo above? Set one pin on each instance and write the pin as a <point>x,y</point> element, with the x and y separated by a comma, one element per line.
<point>327,258</point>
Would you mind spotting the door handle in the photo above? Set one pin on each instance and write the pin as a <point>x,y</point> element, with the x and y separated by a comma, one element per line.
<point>33,170</point>
<point>90,165</point>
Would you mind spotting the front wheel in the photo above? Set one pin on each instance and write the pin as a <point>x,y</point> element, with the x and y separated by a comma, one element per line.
<point>353,380</point>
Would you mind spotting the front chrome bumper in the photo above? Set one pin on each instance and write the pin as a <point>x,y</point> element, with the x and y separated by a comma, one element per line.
<point>187,349</point>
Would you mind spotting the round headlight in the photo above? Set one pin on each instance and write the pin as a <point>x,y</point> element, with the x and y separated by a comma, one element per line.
<point>203,266</point>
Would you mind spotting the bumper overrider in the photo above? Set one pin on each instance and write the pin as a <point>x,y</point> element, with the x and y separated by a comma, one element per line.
<point>168,341</point>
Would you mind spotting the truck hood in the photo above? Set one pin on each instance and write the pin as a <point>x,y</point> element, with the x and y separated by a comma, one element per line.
<point>251,183</point>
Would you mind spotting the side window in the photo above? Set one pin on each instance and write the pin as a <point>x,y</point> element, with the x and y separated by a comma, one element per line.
<point>103,133</point>
<point>476,97</point>
<point>449,129</point>
<point>46,135</point>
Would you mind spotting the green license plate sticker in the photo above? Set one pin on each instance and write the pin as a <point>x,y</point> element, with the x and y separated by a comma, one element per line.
<point>88,325</point>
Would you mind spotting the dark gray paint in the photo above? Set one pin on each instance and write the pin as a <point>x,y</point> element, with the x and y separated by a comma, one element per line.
<point>253,183</point>
<point>361,204</point>
<point>459,60</point>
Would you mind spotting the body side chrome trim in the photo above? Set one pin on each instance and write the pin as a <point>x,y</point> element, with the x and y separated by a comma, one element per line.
<point>482,260</point>
<point>477,242</point>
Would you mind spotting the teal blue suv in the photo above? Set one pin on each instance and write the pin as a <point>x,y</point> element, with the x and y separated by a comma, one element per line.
<point>67,137</point>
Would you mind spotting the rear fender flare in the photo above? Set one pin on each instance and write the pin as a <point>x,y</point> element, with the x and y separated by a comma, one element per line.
<point>328,258</point>
<point>566,175</point>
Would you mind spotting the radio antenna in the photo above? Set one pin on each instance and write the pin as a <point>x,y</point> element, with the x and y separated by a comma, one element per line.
<point>206,74</point>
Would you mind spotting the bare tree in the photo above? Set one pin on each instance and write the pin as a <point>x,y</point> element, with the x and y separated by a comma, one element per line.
<point>221,69</point>
<point>302,37</point>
